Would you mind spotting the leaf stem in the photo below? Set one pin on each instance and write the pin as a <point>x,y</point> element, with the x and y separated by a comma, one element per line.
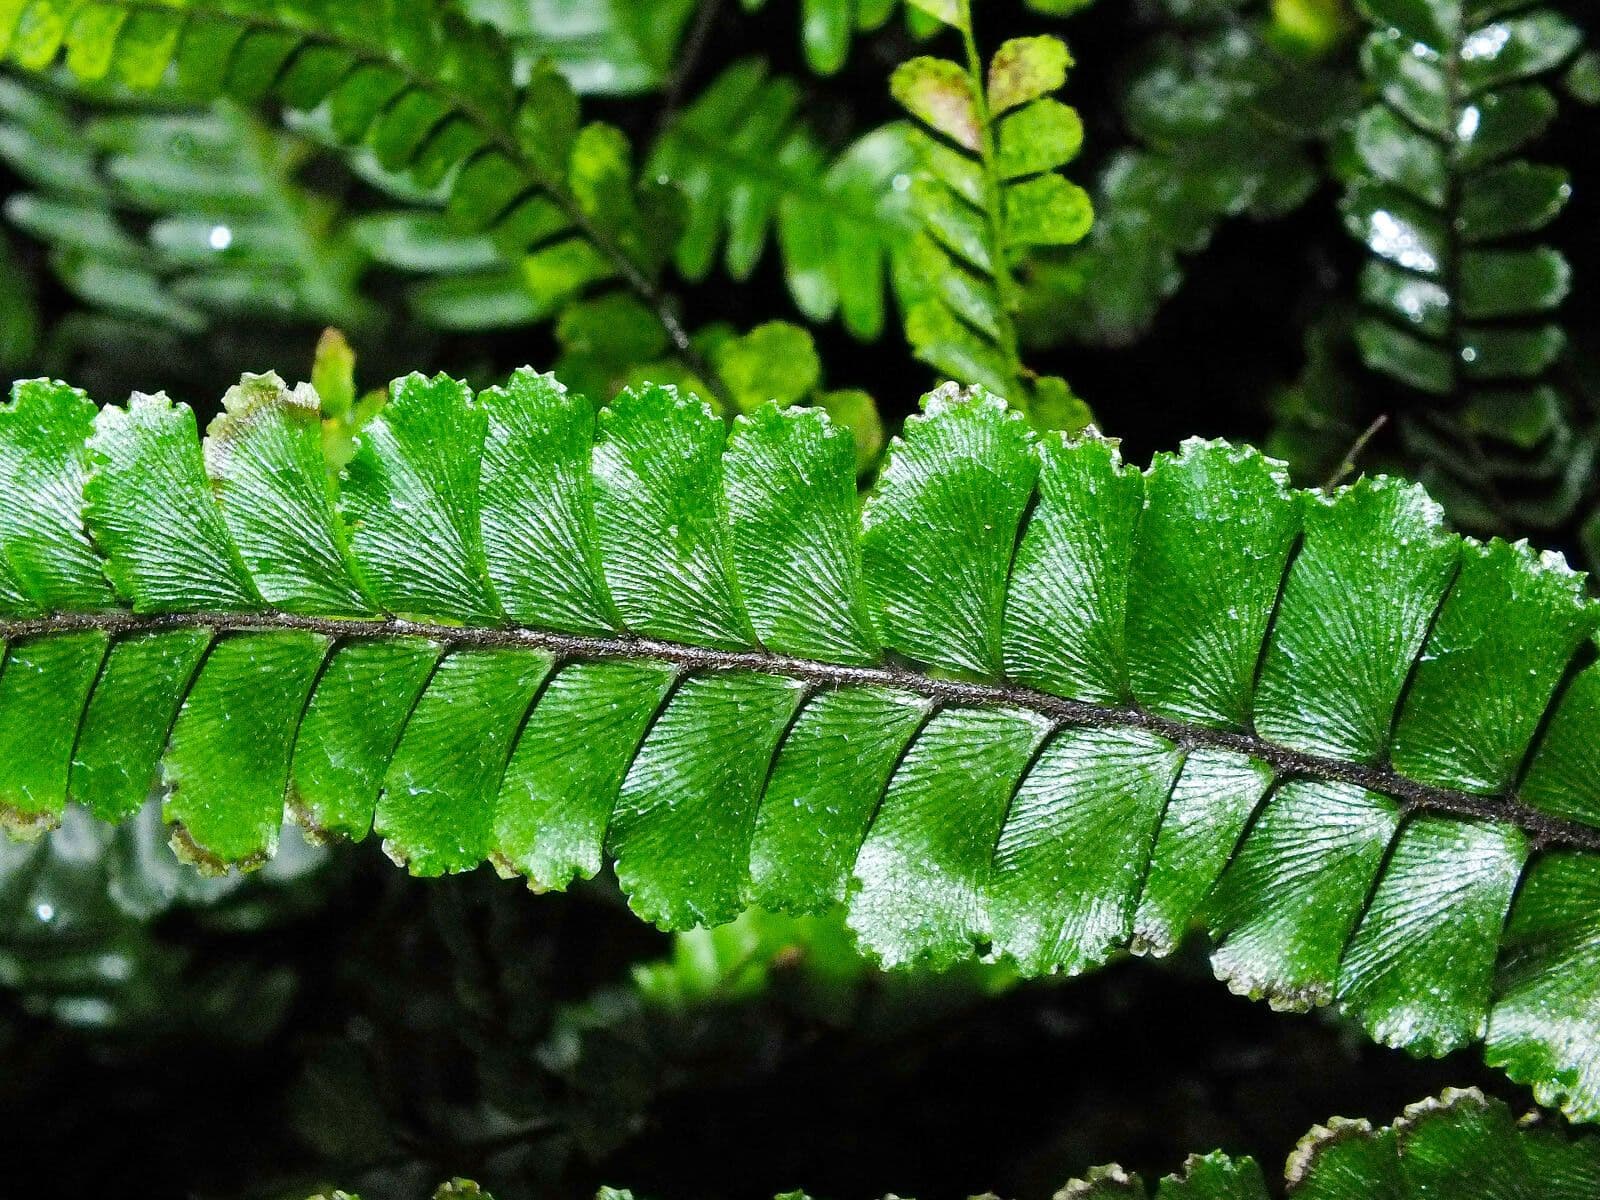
<point>1544,830</point>
<point>688,60</point>
<point>1348,463</point>
<point>994,205</point>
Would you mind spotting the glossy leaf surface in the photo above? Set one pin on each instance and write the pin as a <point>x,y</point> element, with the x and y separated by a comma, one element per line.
<point>1025,702</point>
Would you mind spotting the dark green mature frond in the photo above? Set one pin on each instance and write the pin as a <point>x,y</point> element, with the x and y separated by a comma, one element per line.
<point>428,92</point>
<point>987,192</point>
<point>1460,294</point>
<point>752,172</point>
<point>174,214</point>
<point>1457,1144</point>
<point>1028,701</point>
<point>1224,125</point>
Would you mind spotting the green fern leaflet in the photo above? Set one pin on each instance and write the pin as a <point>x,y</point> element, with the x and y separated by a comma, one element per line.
<point>1026,702</point>
<point>1456,1144</point>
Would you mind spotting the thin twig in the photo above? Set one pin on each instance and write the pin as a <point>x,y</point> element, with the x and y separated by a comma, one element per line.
<point>1348,463</point>
<point>688,59</point>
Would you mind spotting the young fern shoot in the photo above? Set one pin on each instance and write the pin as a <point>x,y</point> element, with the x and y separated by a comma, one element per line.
<point>987,190</point>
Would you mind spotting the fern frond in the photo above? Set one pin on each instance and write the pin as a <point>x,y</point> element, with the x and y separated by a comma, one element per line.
<point>987,191</point>
<point>176,215</point>
<point>1459,292</point>
<point>601,47</point>
<point>751,171</point>
<point>1459,1143</point>
<point>1028,699</point>
<point>428,92</point>
<point>1223,126</point>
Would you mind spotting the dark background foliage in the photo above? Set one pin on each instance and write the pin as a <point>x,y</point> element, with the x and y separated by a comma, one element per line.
<point>417,1046</point>
<point>390,1033</point>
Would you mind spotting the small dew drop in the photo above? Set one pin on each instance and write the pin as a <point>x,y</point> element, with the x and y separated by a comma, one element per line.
<point>220,237</point>
<point>1395,239</point>
<point>45,912</point>
<point>1487,42</point>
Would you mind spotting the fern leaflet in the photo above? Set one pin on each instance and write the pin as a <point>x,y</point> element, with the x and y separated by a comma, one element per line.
<point>1341,736</point>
